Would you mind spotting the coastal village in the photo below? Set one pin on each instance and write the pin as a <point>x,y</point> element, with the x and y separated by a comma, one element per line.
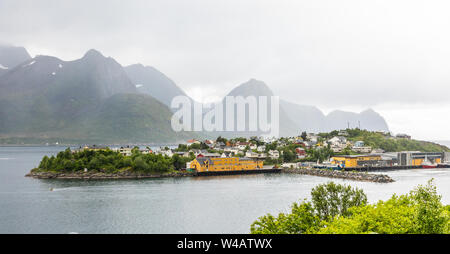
<point>335,150</point>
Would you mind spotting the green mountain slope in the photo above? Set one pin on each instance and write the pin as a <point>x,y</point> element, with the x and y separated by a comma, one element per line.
<point>84,101</point>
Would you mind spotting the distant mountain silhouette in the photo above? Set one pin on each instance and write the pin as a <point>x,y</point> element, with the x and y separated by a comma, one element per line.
<point>95,99</point>
<point>89,99</point>
<point>258,88</point>
<point>149,80</point>
<point>368,120</point>
<point>295,118</point>
<point>11,56</point>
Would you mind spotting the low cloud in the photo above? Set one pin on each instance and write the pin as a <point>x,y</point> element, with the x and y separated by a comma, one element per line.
<point>326,53</point>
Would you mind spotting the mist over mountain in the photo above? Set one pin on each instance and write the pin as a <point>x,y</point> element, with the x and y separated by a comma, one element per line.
<point>95,99</point>
<point>149,80</point>
<point>306,118</point>
<point>258,88</point>
<point>295,118</point>
<point>11,56</point>
<point>91,98</point>
<point>368,120</point>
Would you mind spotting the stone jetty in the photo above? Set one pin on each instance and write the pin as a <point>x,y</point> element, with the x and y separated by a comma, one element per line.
<point>356,176</point>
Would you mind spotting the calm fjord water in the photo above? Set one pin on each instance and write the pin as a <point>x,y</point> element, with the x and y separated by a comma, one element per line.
<point>226,204</point>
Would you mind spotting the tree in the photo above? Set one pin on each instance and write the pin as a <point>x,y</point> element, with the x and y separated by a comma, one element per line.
<point>429,213</point>
<point>288,155</point>
<point>140,164</point>
<point>328,200</point>
<point>333,199</point>
<point>301,220</point>
<point>221,139</point>
<point>304,136</point>
<point>94,164</point>
<point>394,216</point>
<point>419,212</point>
<point>339,209</point>
<point>44,163</point>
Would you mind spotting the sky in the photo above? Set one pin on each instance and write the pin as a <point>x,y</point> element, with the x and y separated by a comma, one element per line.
<point>392,56</point>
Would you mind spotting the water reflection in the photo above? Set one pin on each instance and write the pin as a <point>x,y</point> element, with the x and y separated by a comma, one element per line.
<point>217,204</point>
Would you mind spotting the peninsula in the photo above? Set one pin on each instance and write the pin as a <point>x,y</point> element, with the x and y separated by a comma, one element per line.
<point>346,154</point>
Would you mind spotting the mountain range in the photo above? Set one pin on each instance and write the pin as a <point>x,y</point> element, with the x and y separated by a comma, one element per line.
<point>95,99</point>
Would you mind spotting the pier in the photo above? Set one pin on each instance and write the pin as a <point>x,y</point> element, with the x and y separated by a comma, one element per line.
<point>383,168</point>
<point>355,176</point>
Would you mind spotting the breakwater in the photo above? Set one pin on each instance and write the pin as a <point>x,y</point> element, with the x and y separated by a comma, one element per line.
<point>357,176</point>
<point>384,168</point>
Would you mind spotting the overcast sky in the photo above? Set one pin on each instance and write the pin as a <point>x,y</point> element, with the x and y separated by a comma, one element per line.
<point>392,56</point>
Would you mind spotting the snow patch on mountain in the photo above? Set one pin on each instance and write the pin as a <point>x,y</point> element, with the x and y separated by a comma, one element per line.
<point>31,63</point>
<point>3,67</point>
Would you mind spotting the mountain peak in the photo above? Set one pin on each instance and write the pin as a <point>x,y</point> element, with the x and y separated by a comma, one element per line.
<point>252,87</point>
<point>93,53</point>
<point>11,56</point>
<point>369,111</point>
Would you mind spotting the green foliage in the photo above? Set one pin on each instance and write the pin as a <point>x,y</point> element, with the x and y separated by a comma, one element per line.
<point>270,161</point>
<point>201,146</point>
<point>338,209</point>
<point>328,200</point>
<point>182,148</point>
<point>301,220</point>
<point>332,199</point>
<point>394,216</point>
<point>304,136</point>
<point>111,162</point>
<point>389,144</point>
<point>179,162</point>
<point>221,139</point>
<point>385,142</point>
<point>430,215</point>
<point>271,146</point>
<point>320,155</point>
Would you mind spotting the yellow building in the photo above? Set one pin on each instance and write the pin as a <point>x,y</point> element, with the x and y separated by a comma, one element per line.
<point>351,161</point>
<point>225,164</point>
<point>420,161</point>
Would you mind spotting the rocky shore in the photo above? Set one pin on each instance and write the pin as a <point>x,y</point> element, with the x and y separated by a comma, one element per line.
<point>357,176</point>
<point>99,176</point>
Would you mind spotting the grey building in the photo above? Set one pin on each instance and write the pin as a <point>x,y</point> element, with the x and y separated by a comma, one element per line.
<point>413,158</point>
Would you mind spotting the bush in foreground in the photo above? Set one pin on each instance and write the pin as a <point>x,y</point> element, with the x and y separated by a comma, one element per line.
<point>339,209</point>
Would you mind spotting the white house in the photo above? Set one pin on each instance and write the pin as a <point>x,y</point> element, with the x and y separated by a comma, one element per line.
<point>362,149</point>
<point>274,154</point>
<point>253,155</point>
<point>338,140</point>
<point>166,152</point>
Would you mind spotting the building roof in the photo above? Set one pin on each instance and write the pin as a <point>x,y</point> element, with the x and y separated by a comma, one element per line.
<point>202,160</point>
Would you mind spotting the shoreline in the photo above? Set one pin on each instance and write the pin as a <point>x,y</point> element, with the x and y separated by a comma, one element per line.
<point>355,176</point>
<point>101,176</point>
